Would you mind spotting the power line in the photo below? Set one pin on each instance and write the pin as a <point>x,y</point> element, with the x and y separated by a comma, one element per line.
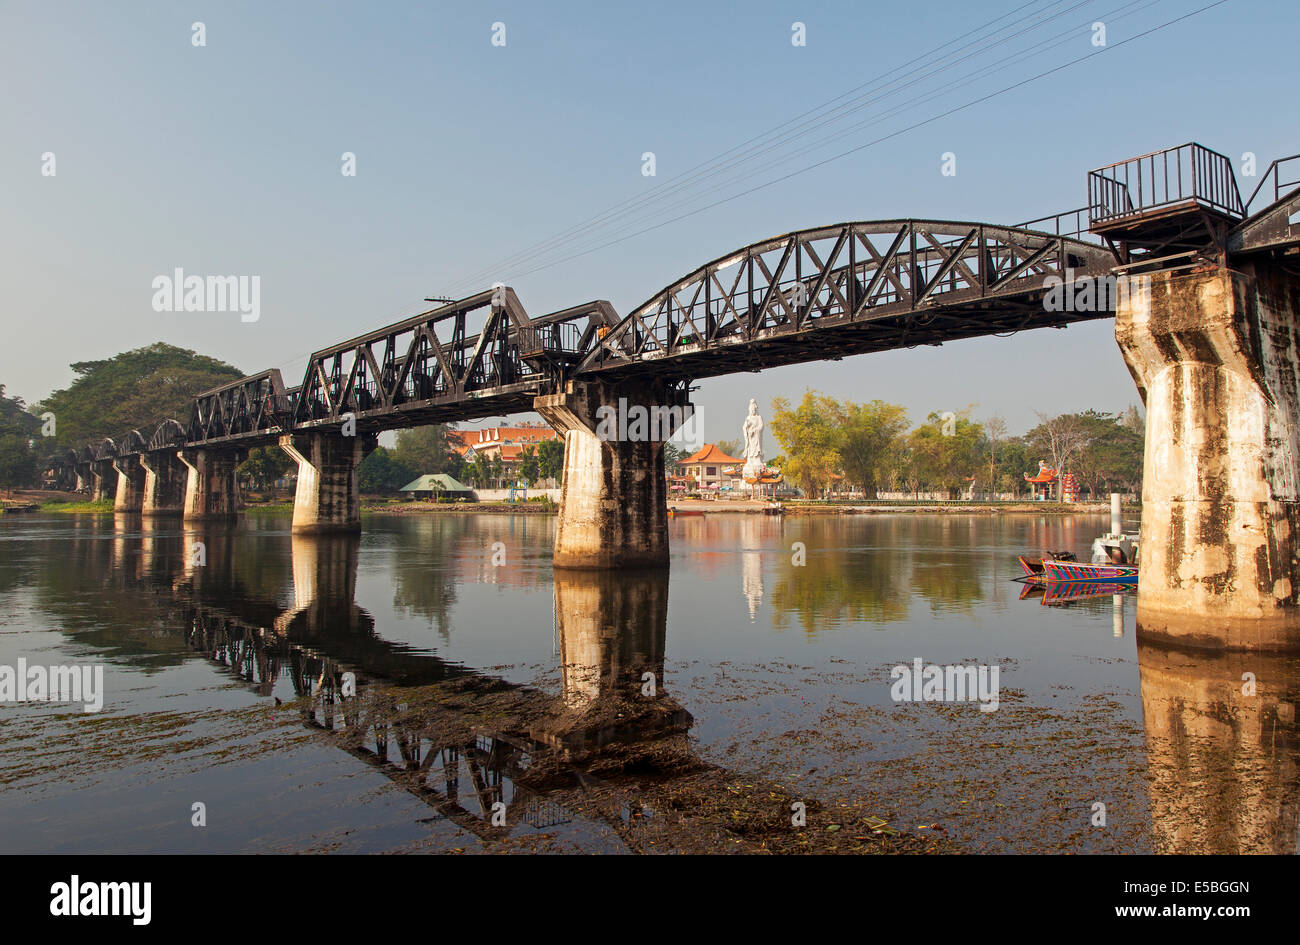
<point>783,132</point>
<point>894,134</point>
<point>980,72</point>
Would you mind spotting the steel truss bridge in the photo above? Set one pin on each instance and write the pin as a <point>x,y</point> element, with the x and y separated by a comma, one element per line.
<point>816,294</point>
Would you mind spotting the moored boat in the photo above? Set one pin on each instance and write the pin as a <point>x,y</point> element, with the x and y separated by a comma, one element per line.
<point>1033,564</point>
<point>1054,570</point>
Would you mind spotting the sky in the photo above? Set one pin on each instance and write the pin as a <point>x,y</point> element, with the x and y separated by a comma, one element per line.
<point>480,131</point>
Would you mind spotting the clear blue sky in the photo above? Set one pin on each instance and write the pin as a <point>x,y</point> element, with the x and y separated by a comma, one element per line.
<point>225,159</point>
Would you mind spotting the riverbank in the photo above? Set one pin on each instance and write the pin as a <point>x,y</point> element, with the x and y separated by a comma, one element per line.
<point>376,505</point>
<point>417,508</point>
<point>707,507</point>
<point>955,507</point>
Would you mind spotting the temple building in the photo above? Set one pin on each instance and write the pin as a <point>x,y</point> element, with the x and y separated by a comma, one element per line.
<point>504,443</point>
<point>705,467</point>
<point>1042,485</point>
<point>1048,485</point>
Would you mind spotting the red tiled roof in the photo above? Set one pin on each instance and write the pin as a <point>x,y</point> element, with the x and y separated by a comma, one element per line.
<point>487,435</point>
<point>709,453</point>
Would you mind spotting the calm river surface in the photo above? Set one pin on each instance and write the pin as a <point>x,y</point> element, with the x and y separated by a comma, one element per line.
<point>401,690</point>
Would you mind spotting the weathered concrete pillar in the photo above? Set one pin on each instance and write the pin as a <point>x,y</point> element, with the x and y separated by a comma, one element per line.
<point>85,477</point>
<point>211,490</point>
<point>613,507</point>
<point>105,480</point>
<point>326,499</point>
<point>1216,357</point>
<point>165,477</point>
<point>130,484</point>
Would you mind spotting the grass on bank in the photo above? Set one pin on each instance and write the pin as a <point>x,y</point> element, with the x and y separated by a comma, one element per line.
<point>68,505</point>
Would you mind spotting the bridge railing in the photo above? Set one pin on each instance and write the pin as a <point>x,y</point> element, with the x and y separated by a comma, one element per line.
<point>559,340</point>
<point>1072,224</point>
<point>1275,174</point>
<point>1163,180</point>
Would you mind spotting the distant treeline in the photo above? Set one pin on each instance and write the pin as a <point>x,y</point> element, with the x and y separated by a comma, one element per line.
<point>831,445</point>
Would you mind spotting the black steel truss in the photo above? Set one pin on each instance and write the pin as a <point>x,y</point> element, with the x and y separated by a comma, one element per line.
<point>255,405</point>
<point>822,293</point>
<point>845,289</point>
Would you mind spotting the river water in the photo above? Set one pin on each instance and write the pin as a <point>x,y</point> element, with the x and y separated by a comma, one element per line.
<point>433,685</point>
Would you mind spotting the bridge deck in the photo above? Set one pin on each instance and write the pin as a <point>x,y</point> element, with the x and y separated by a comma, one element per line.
<point>824,293</point>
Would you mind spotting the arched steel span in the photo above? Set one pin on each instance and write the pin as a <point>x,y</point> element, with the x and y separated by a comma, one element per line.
<point>849,288</point>
<point>814,294</point>
<point>821,293</point>
<point>169,435</point>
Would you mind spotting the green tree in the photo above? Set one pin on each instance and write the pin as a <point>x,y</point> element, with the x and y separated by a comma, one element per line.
<point>809,434</point>
<point>382,472</point>
<point>870,442</point>
<point>18,451</point>
<point>479,470</point>
<point>1013,461</point>
<point>135,390</point>
<point>426,450</point>
<point>942,452</point>
<point>529,468</point>
<point>265,464</point>
<point>550,459</point>
<point>995,432</point>
<point>1111,458</point>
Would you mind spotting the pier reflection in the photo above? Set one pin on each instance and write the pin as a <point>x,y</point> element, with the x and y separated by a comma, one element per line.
<point>1222,750</point>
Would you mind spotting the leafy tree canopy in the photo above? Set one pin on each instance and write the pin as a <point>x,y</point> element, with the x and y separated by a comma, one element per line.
<point>136,390</point>
<point>381,471</point>
<point>18,459</point>
<point>425,451</point>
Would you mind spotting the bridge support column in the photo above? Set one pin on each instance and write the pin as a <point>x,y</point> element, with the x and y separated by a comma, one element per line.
<point>165,478</point>
<point>211,490</point>
<point>326,499</point>
<point>1216,357</point>
<point>105,480</point>
<point>613,511</point>
<point>130,484</point>
<point>85,477</point>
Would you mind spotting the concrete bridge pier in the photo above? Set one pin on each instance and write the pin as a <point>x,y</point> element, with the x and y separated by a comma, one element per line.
<point>104,477</point>
<point>130,484</point>
<point>614,511</point>
<point>1216,357</point>
<point>165,477</point>
<point>85,476</point>
<point>327,499</point>
<point>211,490</point>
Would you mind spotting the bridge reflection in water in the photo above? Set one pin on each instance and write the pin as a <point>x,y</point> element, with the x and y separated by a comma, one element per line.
<point>1222,761</point>
<point>463,741</point>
